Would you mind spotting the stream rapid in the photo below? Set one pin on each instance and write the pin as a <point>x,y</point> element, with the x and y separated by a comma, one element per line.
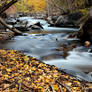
<point>45,47</point>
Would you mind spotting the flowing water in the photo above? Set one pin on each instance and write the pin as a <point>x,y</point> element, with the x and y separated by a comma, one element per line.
<point>44,46</point>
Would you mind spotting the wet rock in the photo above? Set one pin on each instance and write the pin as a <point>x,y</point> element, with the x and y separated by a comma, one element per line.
<point>62,21</point>
<point>54,18</point>
<point>85,34</point>
<point>51,56</point>
<point>59,49</point>
<point>36,26</point>
<point>87,44</point>
<point>72,46</point>
<point>65,54</point>
<point>21,28</point>
<point>64,49</point>
<point>11,21</point>
<point>21,25</point>
<point>17,23</point>
<point>50,21</point>
<point>68,20</point>
<point>72,35</point>
<point>24,25</point>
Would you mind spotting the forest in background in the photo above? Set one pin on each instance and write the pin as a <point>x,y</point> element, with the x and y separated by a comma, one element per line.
<point>47,6</point>
<point>52,6</point>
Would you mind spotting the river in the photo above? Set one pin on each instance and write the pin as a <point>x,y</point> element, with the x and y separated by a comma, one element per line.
<point>44,46</point>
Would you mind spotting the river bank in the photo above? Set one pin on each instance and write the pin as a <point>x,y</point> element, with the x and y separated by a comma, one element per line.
<point>20,72</point>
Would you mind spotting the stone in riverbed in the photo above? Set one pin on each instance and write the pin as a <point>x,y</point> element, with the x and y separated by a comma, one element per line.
<point>68,20</point>
<point>24,25</point>
<point>36,26</point>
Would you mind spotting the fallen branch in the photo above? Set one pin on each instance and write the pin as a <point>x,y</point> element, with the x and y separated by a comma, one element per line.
<point>61,88</point>
<point>68,88</point>
<point>52,88</point>
<point>17,32</point>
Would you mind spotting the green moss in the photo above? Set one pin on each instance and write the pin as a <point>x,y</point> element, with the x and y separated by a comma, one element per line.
<point>84,11</point>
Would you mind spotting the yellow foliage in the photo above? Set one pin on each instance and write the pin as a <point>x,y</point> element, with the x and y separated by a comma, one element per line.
<point>38,5</point>
<point>84,11</point>
<point>31,5</point>
<point>22,6</point>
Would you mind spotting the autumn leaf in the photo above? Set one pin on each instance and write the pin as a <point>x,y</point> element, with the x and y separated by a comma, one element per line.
<point>27,73</point>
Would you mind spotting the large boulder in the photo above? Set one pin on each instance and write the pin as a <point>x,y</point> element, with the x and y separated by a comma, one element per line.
<point>85,34</point>
<point>54,18</point>
<point>36,26</point>
<point>63,21</point>
<point>68,20</point>
<point>21,25</point>
<point>75,16</point>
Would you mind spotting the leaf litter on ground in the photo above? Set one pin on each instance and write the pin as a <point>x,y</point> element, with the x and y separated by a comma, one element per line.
<point>22,73</point>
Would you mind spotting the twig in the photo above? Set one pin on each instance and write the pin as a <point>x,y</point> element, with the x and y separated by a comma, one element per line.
<point>69,89</point>
<point>61,88</point>
<point>86,89</point>
<point>26,86</point>
<point>52,88</point>
<point>19,87</point>
<point>47,89</point>
<point>9,86</point>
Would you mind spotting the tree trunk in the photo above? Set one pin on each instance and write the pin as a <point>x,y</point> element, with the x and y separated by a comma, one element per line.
<point>6,6</point>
